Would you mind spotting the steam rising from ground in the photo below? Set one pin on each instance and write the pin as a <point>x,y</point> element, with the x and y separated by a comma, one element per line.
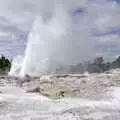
<point>16,66</point>
<point>55,40</point>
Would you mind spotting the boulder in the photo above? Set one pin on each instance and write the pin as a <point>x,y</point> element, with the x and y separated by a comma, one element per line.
<point>55,90</point>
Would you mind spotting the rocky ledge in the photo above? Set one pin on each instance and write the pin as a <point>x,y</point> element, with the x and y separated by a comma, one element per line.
<point>91,86</point>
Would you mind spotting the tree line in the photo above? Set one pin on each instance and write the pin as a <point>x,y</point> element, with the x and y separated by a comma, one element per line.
<point>98,65</point>
<point>5,65</point>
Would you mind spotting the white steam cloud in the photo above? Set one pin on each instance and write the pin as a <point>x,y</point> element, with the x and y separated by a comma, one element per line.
<point>55,41</point>
<point>62,31</point>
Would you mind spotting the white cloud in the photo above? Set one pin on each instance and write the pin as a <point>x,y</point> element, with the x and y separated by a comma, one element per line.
<point>99,16</point>
<point>109,40</point>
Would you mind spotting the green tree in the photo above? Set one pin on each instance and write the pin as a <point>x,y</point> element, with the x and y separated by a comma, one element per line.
<point>98,64</point>
<point>5,64</point>
<point>116,63</point>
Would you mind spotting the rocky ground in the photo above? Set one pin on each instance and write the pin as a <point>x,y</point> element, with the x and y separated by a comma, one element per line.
<point>61,97</point>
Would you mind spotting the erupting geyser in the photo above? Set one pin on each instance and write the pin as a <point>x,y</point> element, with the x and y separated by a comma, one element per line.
<point>36,53</point>
<point>55,40</point>
<point>16,66</point>
<point>44,46</point>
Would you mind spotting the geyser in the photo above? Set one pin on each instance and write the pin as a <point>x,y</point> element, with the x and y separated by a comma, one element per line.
<point>56,40</point>
<point>16,66</point>
<point>45,48</point>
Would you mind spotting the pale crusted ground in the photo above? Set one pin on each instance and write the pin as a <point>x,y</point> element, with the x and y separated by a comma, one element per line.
<point>76,97</point>
<point>92,86</point>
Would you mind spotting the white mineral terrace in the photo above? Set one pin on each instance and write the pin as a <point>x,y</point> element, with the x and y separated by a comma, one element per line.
<point>97,98</point>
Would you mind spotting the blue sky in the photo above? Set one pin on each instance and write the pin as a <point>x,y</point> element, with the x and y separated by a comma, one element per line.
<point>98,18</point>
